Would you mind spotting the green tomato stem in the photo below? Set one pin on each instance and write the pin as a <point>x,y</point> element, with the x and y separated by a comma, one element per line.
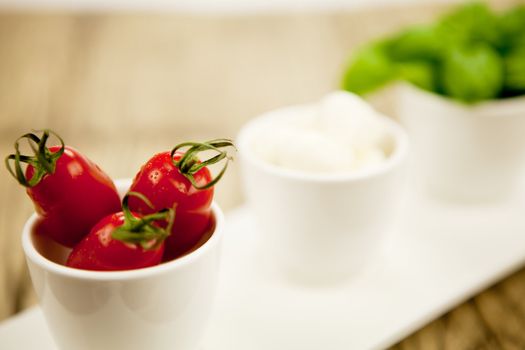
<point>141,230</point>
<point>43,160</point>
<point>189,163</point>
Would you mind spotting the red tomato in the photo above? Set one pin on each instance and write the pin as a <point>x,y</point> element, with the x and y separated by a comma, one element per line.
<point>166,187</point>
<point>123,241</point>
<point>180,181</point>
<point>99,251</point>
<point>70,193</point>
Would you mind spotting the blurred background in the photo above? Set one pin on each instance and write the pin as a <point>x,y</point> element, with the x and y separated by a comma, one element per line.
<point>121,80</point>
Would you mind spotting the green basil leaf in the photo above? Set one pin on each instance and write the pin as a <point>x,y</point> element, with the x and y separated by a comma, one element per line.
<point>472,73</point>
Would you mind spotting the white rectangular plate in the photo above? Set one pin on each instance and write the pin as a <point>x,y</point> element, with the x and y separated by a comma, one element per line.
<point>439,255</point>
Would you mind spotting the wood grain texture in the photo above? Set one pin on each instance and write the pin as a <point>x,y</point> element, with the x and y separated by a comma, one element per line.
<point>121,87</point>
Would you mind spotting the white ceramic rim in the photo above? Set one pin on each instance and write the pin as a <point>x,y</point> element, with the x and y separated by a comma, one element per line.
<point>399,154</point>
<point>55,268</point>
<point>493,108</point>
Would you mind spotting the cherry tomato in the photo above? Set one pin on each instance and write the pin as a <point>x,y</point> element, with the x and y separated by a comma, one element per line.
<point>70,193</point>
<point>123,241</point>
<point>180,181</point>
<point>166,187</point>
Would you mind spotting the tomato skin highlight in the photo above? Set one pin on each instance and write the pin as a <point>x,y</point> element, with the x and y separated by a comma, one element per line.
<point>72,199</point>
<point>99,251</point>
<point>161,181</point>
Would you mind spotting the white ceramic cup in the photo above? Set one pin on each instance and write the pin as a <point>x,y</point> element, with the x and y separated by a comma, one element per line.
<point>461,152</point>
<point>160,307</point>
<point>318,228</point>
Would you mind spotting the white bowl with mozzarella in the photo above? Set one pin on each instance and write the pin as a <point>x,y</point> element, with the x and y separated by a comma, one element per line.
<point>324,182</point>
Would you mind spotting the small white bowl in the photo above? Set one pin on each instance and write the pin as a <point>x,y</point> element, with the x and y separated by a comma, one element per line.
<point>321,228</point>
<point>468,153</point>
<point>160,307</point>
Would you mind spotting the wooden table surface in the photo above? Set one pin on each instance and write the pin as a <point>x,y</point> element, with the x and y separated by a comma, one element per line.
<point>120,87</point>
